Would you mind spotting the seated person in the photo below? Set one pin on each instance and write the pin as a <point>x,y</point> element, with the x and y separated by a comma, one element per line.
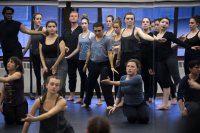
<point>188,93</point>
<point>51,108</point>
<point>13,104</point>
<point>134,107</point>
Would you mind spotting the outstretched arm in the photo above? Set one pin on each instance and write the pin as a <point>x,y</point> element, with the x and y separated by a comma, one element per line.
<point>61,104</point>
<point>15,76</point>
<point>109,82</point>
<point>30,32</point>
<point>34,108</point>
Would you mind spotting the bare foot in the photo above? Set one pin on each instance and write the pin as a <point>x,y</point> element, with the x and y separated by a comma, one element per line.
<point>85,106</point>
<point>99,102</point>
<point>80,101</point>
<point>71,98</point>
<point>163,107</point>
<point>174,101</point>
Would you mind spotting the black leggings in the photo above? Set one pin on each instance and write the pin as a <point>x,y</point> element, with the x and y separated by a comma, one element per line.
<point>166,69</point>
<point>14,114</point>
<point>84,81</point>
<point>37,70</point>
<point>138,113</point>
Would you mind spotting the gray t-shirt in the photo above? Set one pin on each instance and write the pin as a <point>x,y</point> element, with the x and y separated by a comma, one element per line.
<point>131,90</point>
<point>99,50</point>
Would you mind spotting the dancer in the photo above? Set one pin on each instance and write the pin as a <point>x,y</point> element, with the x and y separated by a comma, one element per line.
<point>147,61</point>
<point>109,22</point>
<point>165,61</point>
<point>51,108</point>
<point>82,47</point>
<point>101,63</point>
<point>9,35</point>
<point>52,52</point>
<point>130,46</point>
<point>192,39</point>
<point>33,45</point>
<point>189,95</point>
<point>71,40</point>
<point>116,42</point>
<point>13,104</point>
<point>134,108</point>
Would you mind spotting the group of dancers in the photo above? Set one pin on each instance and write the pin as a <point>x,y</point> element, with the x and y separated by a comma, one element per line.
<point>132,56</point>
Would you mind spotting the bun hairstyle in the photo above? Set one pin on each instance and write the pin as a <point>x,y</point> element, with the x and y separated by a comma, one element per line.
<point>85,16</point>
<point>196,18</point>
<point>118,20</point>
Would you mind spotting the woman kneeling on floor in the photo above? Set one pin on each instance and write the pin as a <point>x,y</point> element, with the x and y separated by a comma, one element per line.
<point>13,104</point>
<point>134,108</point>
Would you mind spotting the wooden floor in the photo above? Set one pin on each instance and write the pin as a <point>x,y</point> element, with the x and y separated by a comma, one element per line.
<point>160,121</point>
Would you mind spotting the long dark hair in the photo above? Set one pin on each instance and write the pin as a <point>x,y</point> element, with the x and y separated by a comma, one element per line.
<point>18,64</point>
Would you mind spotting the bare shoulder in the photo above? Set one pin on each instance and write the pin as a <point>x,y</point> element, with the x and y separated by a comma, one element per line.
<point>61,100</point>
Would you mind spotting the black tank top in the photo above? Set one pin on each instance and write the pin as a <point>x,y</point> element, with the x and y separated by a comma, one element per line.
<point>194,41</point>
<point>14,92</point>
<point>55,124</point>
<point>130,44</point>
<point>50,51</point>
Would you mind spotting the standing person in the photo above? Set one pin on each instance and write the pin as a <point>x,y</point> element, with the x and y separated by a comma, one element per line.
<point>165,61</point>
<point>101,63</point>
<point>9,30</point>
<point>52,52</point>
<point>134,108</point>
<point>71,40</point>
<point>116,42</point>
<point>82,47</point>
<point>13,103</point>
<point>175,65</point>
<point>147,61</point>
<point>33,45</point>
<point>51,108</point>
<point>189,96</point>
<point>192,39</point>
<point>109,23</point>
<point>98,125</point>
<point>130,46</point>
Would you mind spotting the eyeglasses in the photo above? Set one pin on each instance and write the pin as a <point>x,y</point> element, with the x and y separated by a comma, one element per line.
<point>97,30</point>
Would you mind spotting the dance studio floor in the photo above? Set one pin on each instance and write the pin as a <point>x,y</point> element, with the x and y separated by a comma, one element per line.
<point>160,121</point>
